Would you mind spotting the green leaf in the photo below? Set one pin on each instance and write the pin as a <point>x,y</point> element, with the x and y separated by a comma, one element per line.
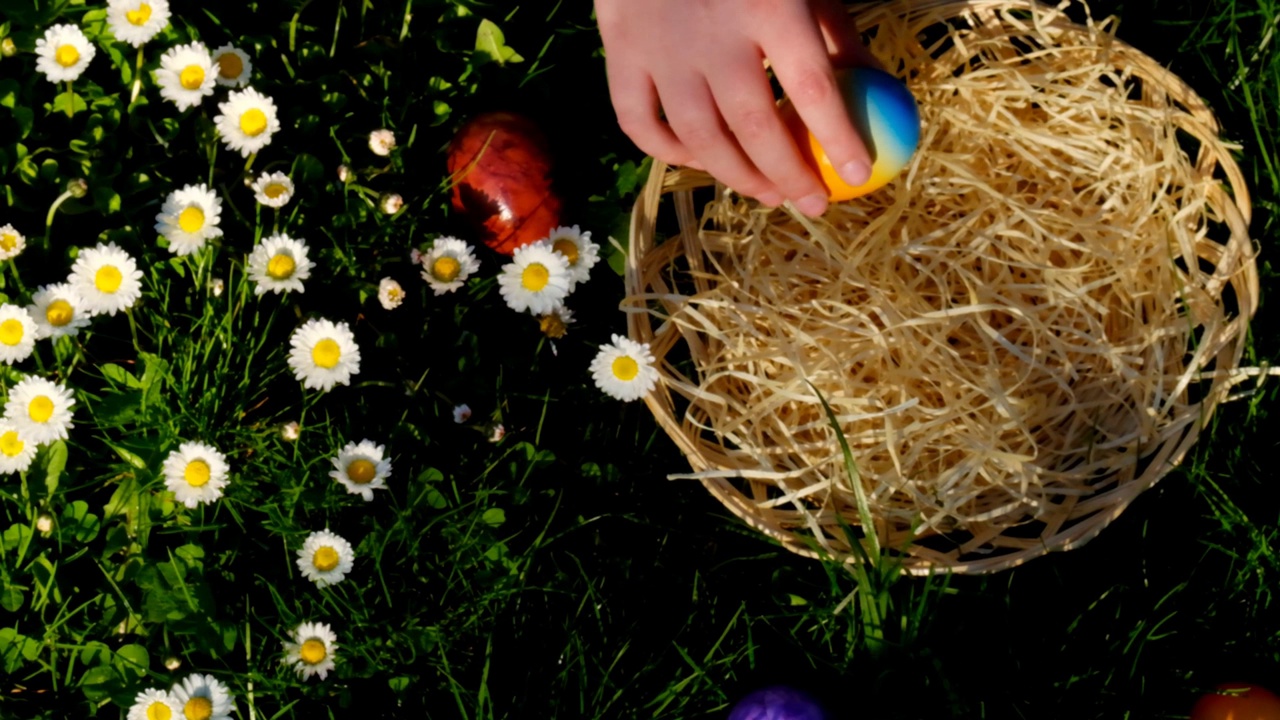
<point>120,376</point>
<point>99,682</point>
<point>55,463</point>
<point>491,43</point>
<point>11,598</point>
<point>494,517</point>
<point>129,457</point>
<point>60,103</point>
<point>95,653</point>
<point>15,536</point>
<point>133,658</point>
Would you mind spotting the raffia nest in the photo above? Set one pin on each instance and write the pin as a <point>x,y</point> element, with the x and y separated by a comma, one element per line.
<point>1024,331</point>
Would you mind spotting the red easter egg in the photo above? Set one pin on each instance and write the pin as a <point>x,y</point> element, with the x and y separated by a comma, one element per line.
<point>501,173</point>
<point>1237,701</point>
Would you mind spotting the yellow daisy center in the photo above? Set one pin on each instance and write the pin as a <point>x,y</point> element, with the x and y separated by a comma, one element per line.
<point>140,16</point>
<point>361,471</point>
<point>158,710</point>
<point>107,279</point>
<point>325,559</point>
<point>191,219</point>
<point>197,473</point>
<point>446,269</point>
<point>8,241</point>
<point>10,444</point>
<point>40,409</point>
<point>230,65</point>
<point>281,267</point>
<point>191,77</point>
<point>253,122</point>
<point>535,277</point>
<point>198,708</point>
<point>567,248</point>
<point>67,55</point>
<point>59,313</point>
<point>11,332</point>
<point>312,652</point>
<point>274,190</point>
<point>552,326</point>
<point>326,353</point>
<point>625,368</point>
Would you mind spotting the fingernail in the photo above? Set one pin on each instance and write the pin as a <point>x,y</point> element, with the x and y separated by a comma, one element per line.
<point>771,199</point>
<point>855,172</point>
<point>812,205</point>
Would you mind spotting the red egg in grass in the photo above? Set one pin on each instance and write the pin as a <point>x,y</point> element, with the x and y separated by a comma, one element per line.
<point>501,173</point>
<point>1237,701</point>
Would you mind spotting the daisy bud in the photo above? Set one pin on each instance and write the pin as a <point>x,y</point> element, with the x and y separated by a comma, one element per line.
<point>381,142</point>
<point>390,294</point>
<point>391,203</point>
<point>497,432</point>
<point>44,523</point>
<point>344,174</point>
<point>77,188</point>
<point>216,286</point>
<point>7,48</point>
<point>172,663</point>
<point>461,413</point>
<point>290,431</point>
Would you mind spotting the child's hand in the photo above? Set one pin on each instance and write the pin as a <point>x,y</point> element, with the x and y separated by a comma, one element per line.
<point>699,63</point>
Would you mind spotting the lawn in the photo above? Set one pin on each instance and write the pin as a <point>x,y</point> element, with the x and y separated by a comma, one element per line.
<point>532,559</point>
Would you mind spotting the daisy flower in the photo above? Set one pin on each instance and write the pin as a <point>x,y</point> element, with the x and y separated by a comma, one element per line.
<point>155,705</point>
<point>461,413</point>
<point>63,53</point>
<point>234,66</point>
<point>137,21</point>
<point>311,651</point>
<point>361,468</point>
<point>247,120</point>
<point>106,279</point>
<point>536,280</point>
<point>577,248</point>
<point>17,334</point>
<point>325,558</point>
<point>556,323</point>
<point>391,203</point>
<point>12,242</point>
<point>273,189</point>
<point>39,409</point>
<point>186,75</point>
<point>195,473</point>
<point>390,294</point>
<point>323,354</point>
<point>381,142</point>
<point>448,264</point>
<point>279,263</point>
<point>624,369</point>
<point>57,311</point>
<point>202,697</point>
<point>189,217</point>
<point>16,450</point>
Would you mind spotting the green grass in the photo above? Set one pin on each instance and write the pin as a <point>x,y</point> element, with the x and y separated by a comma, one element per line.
<point>555,573</point>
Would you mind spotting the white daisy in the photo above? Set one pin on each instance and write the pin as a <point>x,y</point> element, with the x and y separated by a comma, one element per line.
<point>63,53</point>
<point>461,413</point>
<point>391,203</point>
<point>137,21</point>
<point>246,121</point>
<point>390,294</point>
<point>186,75</point>
<point>12,242</point>
<point>361,468</point>
<point>556,323</point>
<point>624,369</point>
<point>279,263</point>
<point>536,279</point>
<point>189,217</point>
<point>202,697</point>
<point>155,705</point>
<point>16,450</point>
<point>39,409</point>
<point>196,473</point>
<point>577,248</point>
<point>311,651</point>
<point>448,264</point>
<point>17,334</point>
<point>323,354</point>
<point>381,142</point>
<point>234,67</point>
<point>106,279</point>
<point>273,189</point>
<point>57,310</point>
<point>325,558</point>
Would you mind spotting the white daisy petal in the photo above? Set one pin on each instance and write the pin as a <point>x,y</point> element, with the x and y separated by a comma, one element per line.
<point>63,53</point>
<point>18,334</point>
<point>57,310</point>
<point>311,651</point>
<point>323,354</point>
<point>577,248</point>
<point>39,409</point>
<point>273,189</point>
<point>186,75</point>
<point>361,468</point>
<point>279,263</point>
<point>16,449</point>
<point>137,21</point>
<point>12,242</point>
<point>381,142</point>
<point>155,704</point>
<point>448,264</point>
<point>189,217</point>
<point>106,278</point>
<point>234,66</point>
<point>536,280</point>
<point>246,121</point>
<point>390,294</point>
<point>202,697</point>
<point>624,369</point>
<point>325,558</point>
<point>196,473</point>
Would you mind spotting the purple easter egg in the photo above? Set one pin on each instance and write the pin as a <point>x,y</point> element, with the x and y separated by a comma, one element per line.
<point>777,703</point>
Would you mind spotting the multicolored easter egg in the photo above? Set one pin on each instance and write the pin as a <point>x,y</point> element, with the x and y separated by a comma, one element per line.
<point>777,702</point>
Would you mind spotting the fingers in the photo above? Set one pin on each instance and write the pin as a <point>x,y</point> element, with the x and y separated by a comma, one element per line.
<point>844,42</point>
<point>635,100</point>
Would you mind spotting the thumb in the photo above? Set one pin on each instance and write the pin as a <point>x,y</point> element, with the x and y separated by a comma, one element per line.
<point>844,42</point>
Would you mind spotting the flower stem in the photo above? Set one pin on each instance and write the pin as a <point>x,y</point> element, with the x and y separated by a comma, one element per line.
<point>137,79</point>
<point>249,163</point>
<point>48,219</point>
<point>71,100</point>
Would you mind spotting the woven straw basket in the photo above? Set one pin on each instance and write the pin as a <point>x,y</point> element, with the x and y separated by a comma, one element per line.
<point>1025,330</point>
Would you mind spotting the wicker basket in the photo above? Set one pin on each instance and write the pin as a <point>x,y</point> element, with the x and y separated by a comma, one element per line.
<point>1020,334</point>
